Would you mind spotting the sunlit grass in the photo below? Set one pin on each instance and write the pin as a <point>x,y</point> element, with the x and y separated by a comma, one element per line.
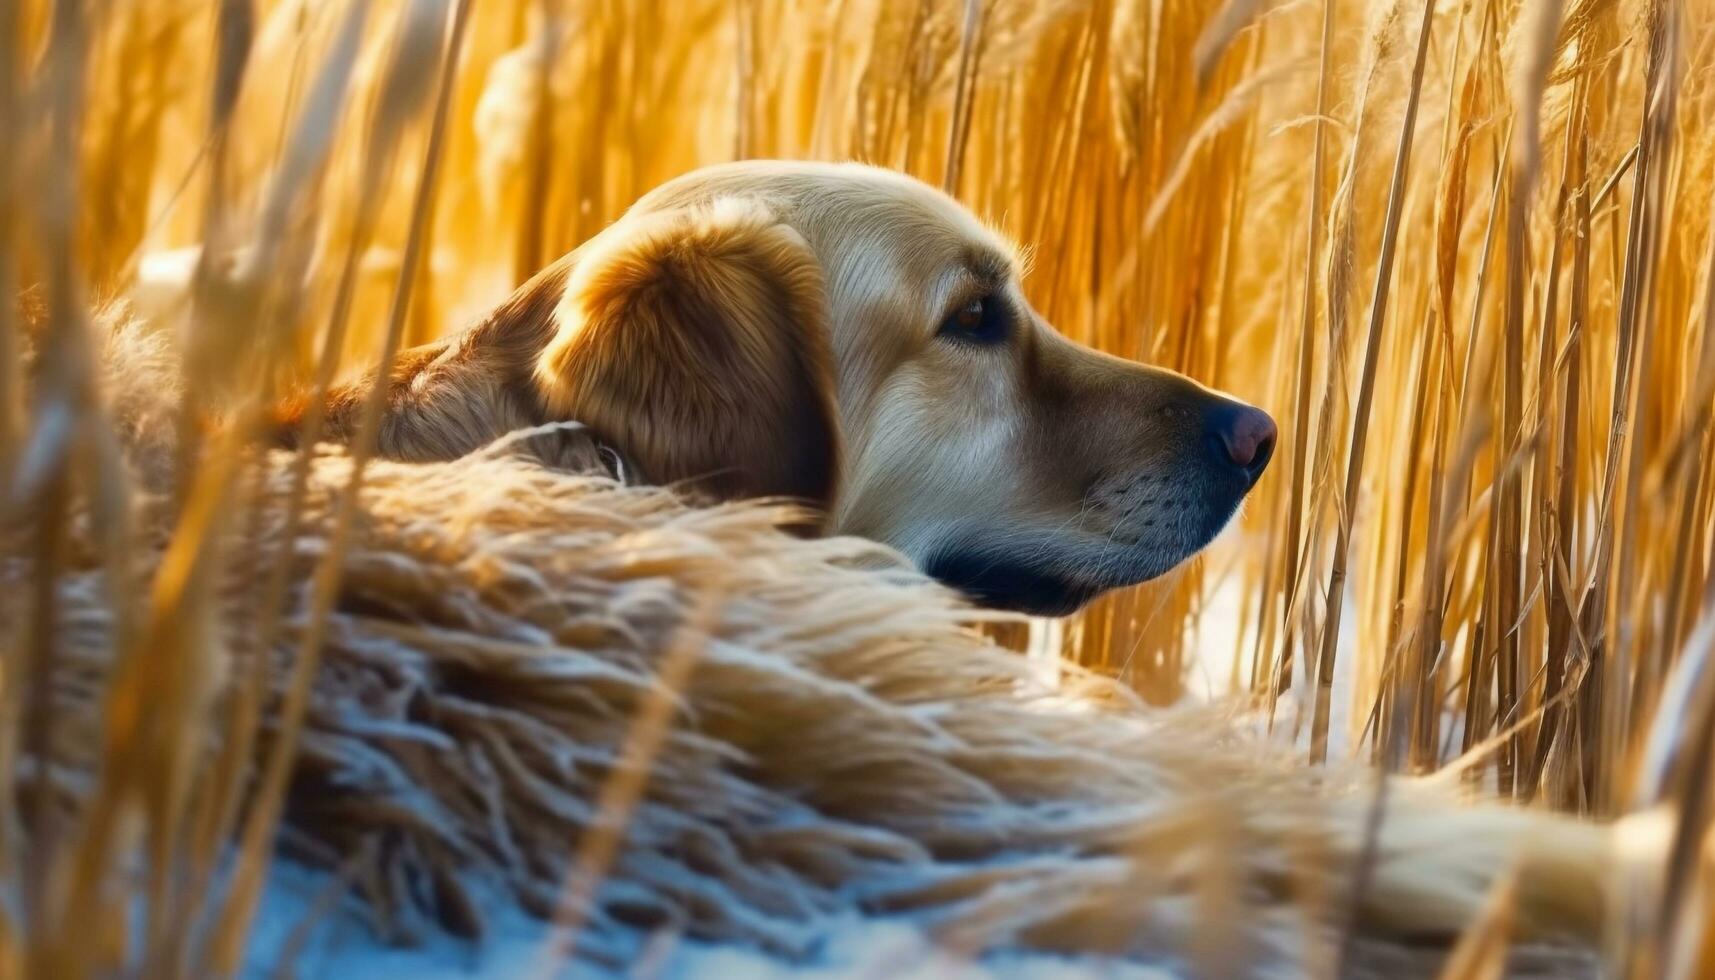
<point>1462,253</point>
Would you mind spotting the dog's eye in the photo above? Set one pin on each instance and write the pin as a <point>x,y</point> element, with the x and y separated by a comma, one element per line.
<point>981,321</point>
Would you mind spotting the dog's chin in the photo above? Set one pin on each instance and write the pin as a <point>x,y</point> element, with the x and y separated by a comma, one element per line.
<point>1052,574</point>
<point>1006,583</point>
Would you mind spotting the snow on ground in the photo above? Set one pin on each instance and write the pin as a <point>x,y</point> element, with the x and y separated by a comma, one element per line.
<point>339,945</point>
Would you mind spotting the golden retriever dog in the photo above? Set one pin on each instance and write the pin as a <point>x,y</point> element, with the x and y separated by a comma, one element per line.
<point>833,743</point>
<point>853,338</point>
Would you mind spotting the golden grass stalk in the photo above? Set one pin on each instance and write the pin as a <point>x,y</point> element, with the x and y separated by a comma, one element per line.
<point>1483,948</point>
<point>1295,501</point>
<point>258,830</point>
<point>1233,17</point>
<point>406,81</point>
<point>1605,695</point>
<point>970,54</point>
<point>1541,28</point>
<point>620,792</point>
<point>1554,496</point>
<point>1335,595</point>
<point>11,120</point>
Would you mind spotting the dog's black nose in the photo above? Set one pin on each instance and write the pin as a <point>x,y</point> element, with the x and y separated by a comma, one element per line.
<point>1246,437</point>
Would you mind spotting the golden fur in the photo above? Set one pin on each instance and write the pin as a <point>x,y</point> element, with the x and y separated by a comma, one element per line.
<point>780,329</point>
<point>843,745</point>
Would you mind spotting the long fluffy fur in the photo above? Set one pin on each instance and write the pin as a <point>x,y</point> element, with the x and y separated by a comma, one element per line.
<point>845,742</point>
<point>697,338</point>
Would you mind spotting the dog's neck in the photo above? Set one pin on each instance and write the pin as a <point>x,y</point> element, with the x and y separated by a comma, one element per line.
<point>452,396</point>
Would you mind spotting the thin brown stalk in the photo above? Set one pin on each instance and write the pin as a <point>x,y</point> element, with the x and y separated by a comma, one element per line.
<point>1506,566</point>
<point>11,121</point>
<point>1677,760</point>
<point>250,874</point>
<point>43,476</point>
<point>1604,691</point>
<point>1366,393</point>
<point>415,47</point>
<point>1233,17</point>
<point>1291,578</point>
<point>1559,523</point>
<point>626,782</point>
<point>1475,427</point>
<point>532,216</point>
<point>744,28</point>
<point>1458,130</point>
<point>1482,950</point>
<point>964,94</point>
<point>1692,472</point>
<point>1541,24</point>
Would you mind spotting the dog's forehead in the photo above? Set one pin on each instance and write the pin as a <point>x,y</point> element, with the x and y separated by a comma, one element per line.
<point>904,213</point>
<point>839,208</point>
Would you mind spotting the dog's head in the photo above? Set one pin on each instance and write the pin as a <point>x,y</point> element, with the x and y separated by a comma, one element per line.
<point>850,336</point>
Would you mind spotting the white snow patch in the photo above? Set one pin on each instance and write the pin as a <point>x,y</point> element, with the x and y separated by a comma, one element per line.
<point>339,944</point>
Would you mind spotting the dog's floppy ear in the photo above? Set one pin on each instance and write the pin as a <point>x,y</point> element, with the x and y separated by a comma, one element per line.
<point>696,340</point>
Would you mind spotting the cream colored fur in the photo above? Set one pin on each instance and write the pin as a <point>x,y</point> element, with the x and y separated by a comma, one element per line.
<point>844,744</point>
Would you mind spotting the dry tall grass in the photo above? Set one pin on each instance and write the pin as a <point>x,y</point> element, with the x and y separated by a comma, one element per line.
<point>1462,251</point>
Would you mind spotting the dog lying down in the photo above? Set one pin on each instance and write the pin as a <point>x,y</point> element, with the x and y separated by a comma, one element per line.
<point>854,339</point>
<point>843,744</point>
